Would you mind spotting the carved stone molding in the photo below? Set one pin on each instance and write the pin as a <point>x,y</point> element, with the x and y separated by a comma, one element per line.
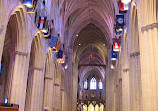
<point>126,70</point>
<point>56,85</point>
<point>36,68</point>
<point>49,78</point>
<point>134,54</point>
<point>62,89</point>
<point>150,26</point>
<point>21,53</point>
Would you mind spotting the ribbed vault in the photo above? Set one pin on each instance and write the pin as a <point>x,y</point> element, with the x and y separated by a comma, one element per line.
<point>78,14</point>
<point>90,49</point>
<point>88,30</point>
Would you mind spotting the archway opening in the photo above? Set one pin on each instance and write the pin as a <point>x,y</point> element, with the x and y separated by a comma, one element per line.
<point>7,60</point>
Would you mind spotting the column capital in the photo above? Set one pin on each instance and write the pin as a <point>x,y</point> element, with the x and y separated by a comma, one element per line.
<point>56,84</point>
<point>126,70</point>
<point>48,78</point>
<point>36,68</point>
<point>150,26</point>
<point>21,53</point>
<point>62,89</point>
<point>134,54</point>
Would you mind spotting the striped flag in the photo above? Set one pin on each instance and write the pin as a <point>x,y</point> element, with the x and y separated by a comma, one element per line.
<point>42,23</point>
<point>122,7</point>
<point>47,35</point>
<point>116,47</point>
<point>57,47</point>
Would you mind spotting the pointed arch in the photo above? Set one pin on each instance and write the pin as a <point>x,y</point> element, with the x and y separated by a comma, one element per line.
<point>93,83</point>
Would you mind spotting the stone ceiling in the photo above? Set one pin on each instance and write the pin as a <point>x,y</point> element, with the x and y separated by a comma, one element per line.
<point>89,28</point>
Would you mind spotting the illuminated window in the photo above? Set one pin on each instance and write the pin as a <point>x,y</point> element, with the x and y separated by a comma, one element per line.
<point>0,67</point>
<point>86,84</point>
<point>93,83</point>
<point>100,84</point>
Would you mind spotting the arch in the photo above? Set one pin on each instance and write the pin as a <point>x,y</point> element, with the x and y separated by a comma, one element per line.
<point>93,83</point>
<point>97,107</point>
<point>34,95</point>
<point>14,53</point>
<point>77,15</point>
<point>91,107</point>
<point>48,82</point>
<point>86,84</point>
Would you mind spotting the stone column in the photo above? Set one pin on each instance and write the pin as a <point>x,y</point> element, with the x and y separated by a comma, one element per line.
<point>34,98</point>
<point>125,74</point>
<point>63,100</point>
<point>57,97</point>
<point>68,81</point>
<point>148,30</point>
<point>48,93</point>
<point>17,79</point>
<point>74,86</point>
<point>110,88</point>
<point>135,82</point>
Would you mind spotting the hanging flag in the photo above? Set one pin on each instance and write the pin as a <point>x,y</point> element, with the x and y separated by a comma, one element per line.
<point>53,42</point>
<point>118,31</point>
<point>116,47</point>
<point>61,60</point>
<point>30,5</point>
<point>120,20</point>
<point>57,47</point>
<point>122,7</point>
<point>60,54</point>
<point>113,55</point>
<point>47,35</point>
<point>42,24</point>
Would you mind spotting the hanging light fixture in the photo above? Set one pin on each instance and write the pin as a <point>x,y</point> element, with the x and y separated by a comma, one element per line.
<point>125,1</point>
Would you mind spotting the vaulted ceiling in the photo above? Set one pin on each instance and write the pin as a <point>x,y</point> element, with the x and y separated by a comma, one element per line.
<point>89,28</point>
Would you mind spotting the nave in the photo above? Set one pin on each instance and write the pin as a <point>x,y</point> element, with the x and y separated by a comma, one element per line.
<point>78,55</point>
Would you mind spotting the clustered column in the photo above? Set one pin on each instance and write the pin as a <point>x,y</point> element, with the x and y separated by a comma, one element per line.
<point>148,28</point>
<point>35,89</point>
<point>17,78</point>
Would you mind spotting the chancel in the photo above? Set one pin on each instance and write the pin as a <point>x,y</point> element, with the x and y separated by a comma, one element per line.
<point>78,55</point>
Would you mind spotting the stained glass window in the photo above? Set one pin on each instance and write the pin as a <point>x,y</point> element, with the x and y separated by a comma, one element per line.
<point>0,67</point>
<point>93,83</point>
<point>86,84</point>
<point>100,84</point>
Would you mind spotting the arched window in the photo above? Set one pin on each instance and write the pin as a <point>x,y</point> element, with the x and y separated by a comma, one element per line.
<point>93,83</point>
<point>100,84</point>
<point>0,68</point>
<point>86,84</point>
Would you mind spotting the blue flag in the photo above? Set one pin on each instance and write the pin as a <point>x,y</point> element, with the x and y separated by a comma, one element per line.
<point>118,31</point>
<point>113,55</point>
<point>53,42</point>
<point>120,20</point>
